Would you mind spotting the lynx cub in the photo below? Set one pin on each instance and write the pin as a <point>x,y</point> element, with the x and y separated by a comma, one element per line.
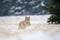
<point>24,23</point>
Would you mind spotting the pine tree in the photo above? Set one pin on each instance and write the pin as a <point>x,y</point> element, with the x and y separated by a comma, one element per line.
<point>54,9</point>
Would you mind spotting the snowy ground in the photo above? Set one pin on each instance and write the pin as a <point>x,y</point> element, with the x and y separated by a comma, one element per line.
<point>39,29</point>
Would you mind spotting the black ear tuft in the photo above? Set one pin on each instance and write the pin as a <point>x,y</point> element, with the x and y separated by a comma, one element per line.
<point>25,17</point>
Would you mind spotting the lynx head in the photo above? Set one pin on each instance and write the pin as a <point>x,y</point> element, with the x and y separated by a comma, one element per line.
<point>27,19</point>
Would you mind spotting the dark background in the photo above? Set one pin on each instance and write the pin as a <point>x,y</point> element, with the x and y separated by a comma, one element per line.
<point>22,7</point>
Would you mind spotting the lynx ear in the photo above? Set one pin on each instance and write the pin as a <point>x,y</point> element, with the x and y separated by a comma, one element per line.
<point>27,17</point>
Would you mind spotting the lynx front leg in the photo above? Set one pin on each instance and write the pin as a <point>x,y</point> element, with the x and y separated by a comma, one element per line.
<point>21,27</point>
